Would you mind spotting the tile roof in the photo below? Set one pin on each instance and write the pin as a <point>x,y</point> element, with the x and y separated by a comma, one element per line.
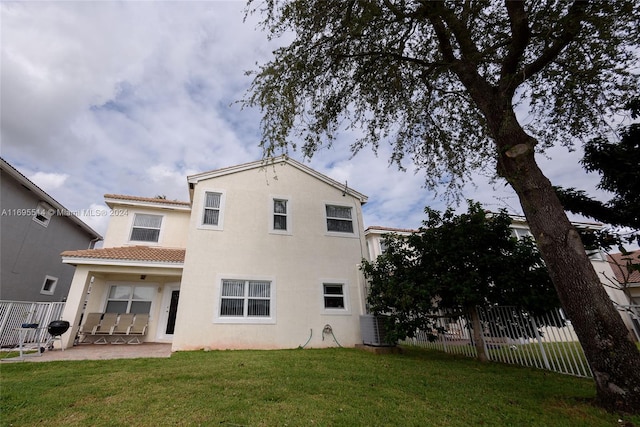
<point>146,199</point>
<point>131,253</point>
<point>618,264</point>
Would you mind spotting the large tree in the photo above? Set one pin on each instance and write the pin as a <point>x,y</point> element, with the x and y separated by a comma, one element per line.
<point>443,82</point>
<point>456,263</point>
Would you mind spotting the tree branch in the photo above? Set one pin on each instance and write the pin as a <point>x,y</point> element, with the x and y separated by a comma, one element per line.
<point>465,68</point>
<point>462,34</point>
<point>397,12</point>
<point>441,33</point>
<point>570,25</point>
<point>520,36</point>
<point>390,55</point>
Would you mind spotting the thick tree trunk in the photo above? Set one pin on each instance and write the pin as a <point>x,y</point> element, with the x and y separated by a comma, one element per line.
<point>614,359</point>
<point>478,335</point>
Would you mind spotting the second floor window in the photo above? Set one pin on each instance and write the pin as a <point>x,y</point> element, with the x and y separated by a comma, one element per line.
<point>339,219</point>
<point>146,228</point>
<point>520,233</point>
<point>49,285</point>
<point>43,214</point>
<point>383,245</point>
<point>211,208</point>
<point>279,214</point>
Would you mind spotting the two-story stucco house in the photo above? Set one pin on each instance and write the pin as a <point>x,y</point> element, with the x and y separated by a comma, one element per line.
<point>264,255</point>
<point>34,229</point>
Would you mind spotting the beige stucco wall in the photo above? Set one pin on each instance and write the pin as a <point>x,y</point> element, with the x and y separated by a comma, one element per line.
<point>172,233</point>
<point>296,263</point>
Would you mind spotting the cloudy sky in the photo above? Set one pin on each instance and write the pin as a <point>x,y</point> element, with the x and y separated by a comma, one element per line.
<point>131,97</point>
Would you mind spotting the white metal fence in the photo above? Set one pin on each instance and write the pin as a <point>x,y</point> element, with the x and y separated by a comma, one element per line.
<point>511,336</point>
<point>14,313</point>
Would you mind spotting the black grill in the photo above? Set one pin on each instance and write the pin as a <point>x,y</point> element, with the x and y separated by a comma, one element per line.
<point>58,327</point>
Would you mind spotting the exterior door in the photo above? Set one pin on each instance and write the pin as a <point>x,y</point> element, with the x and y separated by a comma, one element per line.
<point>173,309</point>
<point>167,322</point>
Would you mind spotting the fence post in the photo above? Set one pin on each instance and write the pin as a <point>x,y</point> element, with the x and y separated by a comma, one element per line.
<point>539,339</point>
<point>480,334</point>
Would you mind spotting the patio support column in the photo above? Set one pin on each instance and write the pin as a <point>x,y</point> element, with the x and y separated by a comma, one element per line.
<point>75,301</point>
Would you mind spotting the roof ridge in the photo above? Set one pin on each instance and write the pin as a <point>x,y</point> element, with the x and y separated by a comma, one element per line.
<point>145,199</point>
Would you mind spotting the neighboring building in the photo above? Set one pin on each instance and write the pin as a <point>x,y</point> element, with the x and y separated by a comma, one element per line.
<point>629,284</point>
<point>34,229</point>
<point>600,264</point>
<point>375,236</point>
<point>264,255</point>
<point>626,279</point>
<point>605,268</point>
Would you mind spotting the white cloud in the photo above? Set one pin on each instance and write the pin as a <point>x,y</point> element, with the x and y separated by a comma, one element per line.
<point>96,216</point>
<point>49,181</point>
<point>131,97</point>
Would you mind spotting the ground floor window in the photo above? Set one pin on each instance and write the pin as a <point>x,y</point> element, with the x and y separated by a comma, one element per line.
<point>130,299</point>
<point>333,296</point>
<point>245,298</point>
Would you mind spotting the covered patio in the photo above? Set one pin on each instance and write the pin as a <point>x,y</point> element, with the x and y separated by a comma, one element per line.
<point>124,280</point>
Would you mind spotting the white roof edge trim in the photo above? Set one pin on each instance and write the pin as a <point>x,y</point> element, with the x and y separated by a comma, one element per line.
<point>121,262</point>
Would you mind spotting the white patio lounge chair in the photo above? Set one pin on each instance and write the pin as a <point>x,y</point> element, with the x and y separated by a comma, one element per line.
<point>91,322</point>
<point>138,328</point>
<point>106,327</point>
<point>122,328</point>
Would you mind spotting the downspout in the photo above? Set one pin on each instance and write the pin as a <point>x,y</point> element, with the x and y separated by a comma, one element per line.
<point>92,242</point>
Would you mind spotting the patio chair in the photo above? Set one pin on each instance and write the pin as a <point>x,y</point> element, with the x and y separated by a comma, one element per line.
<point>139,328</point>
<point>106,327</point>
<point>91,322</point>
<point>122,328</point>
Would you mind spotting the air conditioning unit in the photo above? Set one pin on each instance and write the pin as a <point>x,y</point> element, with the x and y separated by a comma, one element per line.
<point>374,332</point>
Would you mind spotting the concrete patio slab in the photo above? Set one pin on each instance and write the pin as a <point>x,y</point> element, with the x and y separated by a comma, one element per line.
<point>101,352</point>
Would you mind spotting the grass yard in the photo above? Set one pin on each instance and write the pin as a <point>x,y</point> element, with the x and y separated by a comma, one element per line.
<point>331,387</point>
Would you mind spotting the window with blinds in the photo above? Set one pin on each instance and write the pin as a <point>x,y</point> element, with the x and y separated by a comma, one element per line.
<point>245,298</point>
<point>146,228</point>
<point>339,219</point>
<point>211,214</point>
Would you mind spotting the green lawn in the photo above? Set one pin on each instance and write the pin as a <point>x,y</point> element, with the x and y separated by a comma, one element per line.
<point>567,357</point>
<point>332,387</point>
